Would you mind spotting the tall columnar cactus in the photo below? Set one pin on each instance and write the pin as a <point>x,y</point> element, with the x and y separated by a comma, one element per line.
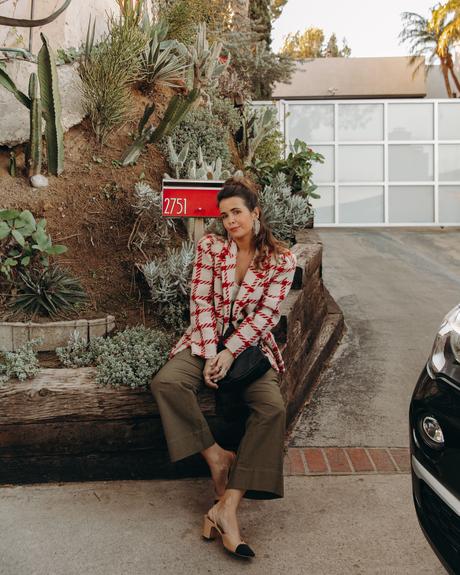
<point>176,110</point>
<point>51,105</point>
<point>34,149</point>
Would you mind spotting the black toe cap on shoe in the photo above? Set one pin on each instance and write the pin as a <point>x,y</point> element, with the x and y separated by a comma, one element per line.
<point>244,550</point>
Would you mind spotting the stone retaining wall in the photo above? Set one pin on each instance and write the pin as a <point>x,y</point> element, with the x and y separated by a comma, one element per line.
<point>61,427</point>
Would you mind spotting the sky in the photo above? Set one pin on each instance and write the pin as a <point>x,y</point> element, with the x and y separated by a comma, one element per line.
<point>371,27</point>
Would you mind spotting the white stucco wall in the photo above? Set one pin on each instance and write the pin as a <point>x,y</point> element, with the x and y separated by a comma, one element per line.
<point>68,30</point>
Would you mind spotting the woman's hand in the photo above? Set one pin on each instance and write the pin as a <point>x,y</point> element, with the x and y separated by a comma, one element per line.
<point>216,368</point>
<point>222,363</point>
<point>208,372</point>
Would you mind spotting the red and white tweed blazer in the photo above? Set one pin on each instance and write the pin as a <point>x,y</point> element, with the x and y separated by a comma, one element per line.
<point>256,309</point>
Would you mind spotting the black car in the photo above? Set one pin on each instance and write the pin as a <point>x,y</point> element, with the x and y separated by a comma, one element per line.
<point>435,444</point>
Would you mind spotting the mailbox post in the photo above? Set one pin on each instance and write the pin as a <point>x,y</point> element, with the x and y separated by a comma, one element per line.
<point>194,199</point>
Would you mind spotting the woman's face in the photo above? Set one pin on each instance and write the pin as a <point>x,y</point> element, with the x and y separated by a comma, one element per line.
<point>238,220</point>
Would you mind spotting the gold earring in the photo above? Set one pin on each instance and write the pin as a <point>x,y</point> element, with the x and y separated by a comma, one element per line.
<point>256,226</point>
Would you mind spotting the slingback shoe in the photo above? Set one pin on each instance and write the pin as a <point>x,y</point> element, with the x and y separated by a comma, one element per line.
<point>210,528</point>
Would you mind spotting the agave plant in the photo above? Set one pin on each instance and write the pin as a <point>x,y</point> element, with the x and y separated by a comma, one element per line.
<point>160,63</point>
<point>47,291</point>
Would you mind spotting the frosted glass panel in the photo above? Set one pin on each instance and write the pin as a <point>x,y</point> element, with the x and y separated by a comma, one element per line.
<point>311,123</point>
<point>411,204</point>
<point>449,162</point>
<point>361,204</point>
<point>449,121</point>
<point>323,172</point>
<point>360,163</point>
<point>324,206</point>
<point>410,121</point>
<point>360,122</point>
<point>449,204</point>
<point>410,162</point>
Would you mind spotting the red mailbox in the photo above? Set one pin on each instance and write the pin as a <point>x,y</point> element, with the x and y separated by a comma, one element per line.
<point>190,198</point>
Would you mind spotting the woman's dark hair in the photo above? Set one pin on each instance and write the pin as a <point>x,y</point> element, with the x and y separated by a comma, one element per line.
<point>265,242</point>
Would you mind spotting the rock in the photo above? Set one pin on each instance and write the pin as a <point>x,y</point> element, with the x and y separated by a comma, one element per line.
<point>39,181</point>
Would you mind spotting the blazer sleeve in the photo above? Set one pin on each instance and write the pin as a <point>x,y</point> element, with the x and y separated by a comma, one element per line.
<point>202,312</point>
<point>267,312</point>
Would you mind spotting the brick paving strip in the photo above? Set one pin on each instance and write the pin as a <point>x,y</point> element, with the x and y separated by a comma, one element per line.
<point>346,460</point>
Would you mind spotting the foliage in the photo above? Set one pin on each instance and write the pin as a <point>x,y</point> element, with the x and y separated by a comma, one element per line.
<point>297,169</point>
<point>161,64</point>
<point>24,242</point>
<point>148,201</point>
<point>169,282</point>
<point>203,129</point>
<point>270,149</point>
<point>426,38</point>
<point>284,212</point>
<point>177,109</point>
<point>34,147</point>
<point>205,63</point>
<point>107,71</point>
<point>131,11</point>
<point>21,364</point>
<point>129,358</point>
<point>447,17</point>
<point>257,124</point>
<point>184,16</point>
<point>225,112</point>
<point>311,44</point>
<point>49,106</point>
<point>254,64</point>
<point>50,292</point>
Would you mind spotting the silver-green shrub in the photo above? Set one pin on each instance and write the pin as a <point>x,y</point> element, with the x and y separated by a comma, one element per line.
<point>169,281</point>
<point>129,358</point>
<point>284,212</point>
<point>21,364</point>
<point>201,128</point>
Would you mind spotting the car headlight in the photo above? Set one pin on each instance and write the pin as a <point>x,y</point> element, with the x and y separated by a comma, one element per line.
<point>445,355</point>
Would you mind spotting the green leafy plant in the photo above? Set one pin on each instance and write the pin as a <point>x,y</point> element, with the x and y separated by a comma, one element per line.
<point>20,364</point>
<point>169,281</point>
<point>50,292</point>
<point>129,358</point>
<point>297,168</point>
<point>24,242</point>
<point>256,124</point>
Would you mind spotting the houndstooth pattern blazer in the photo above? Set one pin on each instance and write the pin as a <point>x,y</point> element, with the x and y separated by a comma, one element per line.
<point>256,309</point>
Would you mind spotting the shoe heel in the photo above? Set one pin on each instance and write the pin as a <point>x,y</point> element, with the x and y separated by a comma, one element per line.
<point>209,531</point>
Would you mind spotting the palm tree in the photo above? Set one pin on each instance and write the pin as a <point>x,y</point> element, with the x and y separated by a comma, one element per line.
<point>425,37</point>
<point>446,17</point>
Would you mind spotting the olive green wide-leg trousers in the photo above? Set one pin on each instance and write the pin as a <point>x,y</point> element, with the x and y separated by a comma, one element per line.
<point>258,467</point>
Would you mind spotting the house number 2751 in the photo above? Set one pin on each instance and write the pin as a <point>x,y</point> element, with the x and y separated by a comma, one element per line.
<point>175,206</point>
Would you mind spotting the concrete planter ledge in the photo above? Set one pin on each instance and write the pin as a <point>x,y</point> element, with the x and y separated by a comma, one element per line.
<point>61,426</point>
<point>54,333</point>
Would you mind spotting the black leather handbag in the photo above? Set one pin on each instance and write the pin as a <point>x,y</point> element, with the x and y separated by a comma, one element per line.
<point>250,364</point>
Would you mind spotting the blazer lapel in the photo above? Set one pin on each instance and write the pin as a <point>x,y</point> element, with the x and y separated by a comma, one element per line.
<point>251,281</point>
<point>228,276</point>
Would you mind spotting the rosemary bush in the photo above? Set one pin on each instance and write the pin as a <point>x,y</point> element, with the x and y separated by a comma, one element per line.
<point>129,358</point>
<point>22,363</point>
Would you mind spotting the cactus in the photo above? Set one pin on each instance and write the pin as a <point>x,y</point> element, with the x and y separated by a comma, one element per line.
<point>205,171</point>
<point>51,104</point>
<point>176,110</point>
<point>205,62</point>
<point>34,149</point>
<point>50,107</point>
<point>12,164</point>
<point>256,126</point>
<point>177,160</point>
